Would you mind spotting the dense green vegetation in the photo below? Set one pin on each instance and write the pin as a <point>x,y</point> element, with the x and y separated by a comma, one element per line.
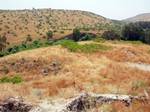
<point>15,79</point>
<point>138,31</point>
<point>23,46</point>
<point>111,35</point>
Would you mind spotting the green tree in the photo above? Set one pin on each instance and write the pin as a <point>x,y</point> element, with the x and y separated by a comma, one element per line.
<point>133,31</point>
<point>49,35</point>
<point>76,34</point>
<point>147,36</point>
<point>111,35</point>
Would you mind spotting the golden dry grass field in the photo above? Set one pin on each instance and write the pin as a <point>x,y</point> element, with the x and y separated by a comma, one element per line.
<point>55,72</point>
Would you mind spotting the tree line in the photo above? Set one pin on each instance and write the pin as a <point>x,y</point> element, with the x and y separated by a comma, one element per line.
<point>138,31</point>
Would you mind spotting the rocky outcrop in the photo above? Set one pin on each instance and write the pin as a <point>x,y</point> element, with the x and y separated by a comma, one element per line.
<point>81,103</point>
<point>88,101</point>
<point>14,105</point>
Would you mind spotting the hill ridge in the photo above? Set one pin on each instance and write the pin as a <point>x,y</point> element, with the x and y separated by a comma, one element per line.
<point>139,17</point>
<point>18,24</point>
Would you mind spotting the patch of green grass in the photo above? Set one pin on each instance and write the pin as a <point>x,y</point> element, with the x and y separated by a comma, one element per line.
<point>15,79</point>
<point>69,44</point>
<point>85,48</point>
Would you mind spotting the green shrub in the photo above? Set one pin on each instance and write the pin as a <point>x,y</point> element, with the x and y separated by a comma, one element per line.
<point>49,35</point>
<point>5,80</point>
<point>87,37</point>
<point>51,42</point>
<point>15,79</point>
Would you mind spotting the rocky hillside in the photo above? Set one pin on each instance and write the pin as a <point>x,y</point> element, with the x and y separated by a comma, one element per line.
<point>18,24</point>
<point>140,17</point>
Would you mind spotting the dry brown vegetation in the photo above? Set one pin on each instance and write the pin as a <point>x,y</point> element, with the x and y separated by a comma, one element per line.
<point>55,72</point>
<point>18,24</point>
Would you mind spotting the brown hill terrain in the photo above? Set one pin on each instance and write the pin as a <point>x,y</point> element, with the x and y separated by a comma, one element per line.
<point>55,72</point>
<point>16,25</point>
<point>140,17</point>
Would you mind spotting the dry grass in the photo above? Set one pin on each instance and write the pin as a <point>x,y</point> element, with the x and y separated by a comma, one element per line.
<point>16,25</point>
<point>130,54</point>
<point>101,72</point>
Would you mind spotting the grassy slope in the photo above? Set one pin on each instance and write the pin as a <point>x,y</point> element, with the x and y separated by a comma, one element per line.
<point>16,25</point>
<point>100,72</point>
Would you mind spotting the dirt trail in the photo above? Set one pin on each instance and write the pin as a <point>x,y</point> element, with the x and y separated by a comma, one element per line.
<point>140,66</point>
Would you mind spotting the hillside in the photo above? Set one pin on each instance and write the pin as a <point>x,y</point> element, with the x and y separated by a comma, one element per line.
<point>55,73</point>
<point>140,17</point>
<point>16,25</point>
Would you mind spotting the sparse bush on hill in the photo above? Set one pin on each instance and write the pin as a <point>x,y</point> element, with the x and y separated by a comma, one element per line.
<point>5,69</point>
<point>28,38</point>
<point>3,42</point>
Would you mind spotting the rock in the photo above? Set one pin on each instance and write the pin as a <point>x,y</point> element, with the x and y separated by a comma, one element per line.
<point>14,105</point>
<point>81,103</point>
<point>54,67</point>
<point>45,71</point>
